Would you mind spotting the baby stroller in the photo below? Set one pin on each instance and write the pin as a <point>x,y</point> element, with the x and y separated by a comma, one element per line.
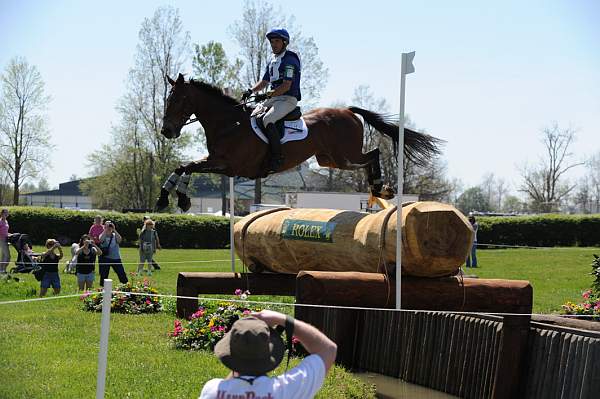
<point>25,262</point>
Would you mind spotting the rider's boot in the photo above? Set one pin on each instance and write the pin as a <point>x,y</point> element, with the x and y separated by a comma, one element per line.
<point>275,147</point>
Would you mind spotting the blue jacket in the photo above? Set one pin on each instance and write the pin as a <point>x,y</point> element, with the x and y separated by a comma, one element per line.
<point>284,66</point>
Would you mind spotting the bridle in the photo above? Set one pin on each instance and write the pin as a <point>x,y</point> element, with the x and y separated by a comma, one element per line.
<point>242,104</point>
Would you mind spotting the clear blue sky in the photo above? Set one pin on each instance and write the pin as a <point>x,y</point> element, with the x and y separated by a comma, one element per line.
<point>488,75</point>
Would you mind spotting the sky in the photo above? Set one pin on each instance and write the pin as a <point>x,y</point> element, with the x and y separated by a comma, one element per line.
<point>489,75</point>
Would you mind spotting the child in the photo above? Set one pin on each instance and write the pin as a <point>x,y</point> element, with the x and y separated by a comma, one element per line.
<point>149,243</point>
<point>49,262</point>
<point>96,229</point>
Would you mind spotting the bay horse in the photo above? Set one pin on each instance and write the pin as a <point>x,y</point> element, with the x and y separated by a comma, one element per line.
<point>335,137</point>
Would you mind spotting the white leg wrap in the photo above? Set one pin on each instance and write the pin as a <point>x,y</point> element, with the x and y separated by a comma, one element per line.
<point>182,186</point>
<point>171,182</point>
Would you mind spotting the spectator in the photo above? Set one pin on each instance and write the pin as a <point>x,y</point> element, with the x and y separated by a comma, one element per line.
<point>111,254</point>
<point>4,249</point>
<point>155,265</point>
<point>252,348</point>
<point>149,243</point>
<point>472,257</point>
<point>49,263</point>
<point>96,229</point>
<point>86,262</point>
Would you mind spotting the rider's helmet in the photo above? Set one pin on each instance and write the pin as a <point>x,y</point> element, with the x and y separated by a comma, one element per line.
<point>279,33</point>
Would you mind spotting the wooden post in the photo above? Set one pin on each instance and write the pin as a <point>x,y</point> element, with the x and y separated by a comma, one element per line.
<point>511,367</point>
<point>193,283</point>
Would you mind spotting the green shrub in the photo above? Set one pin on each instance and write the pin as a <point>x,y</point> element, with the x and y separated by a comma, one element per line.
<point>175,231</point>
<point>542,231</point>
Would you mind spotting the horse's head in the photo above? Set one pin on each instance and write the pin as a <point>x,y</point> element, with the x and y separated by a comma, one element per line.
<point>177,110</point>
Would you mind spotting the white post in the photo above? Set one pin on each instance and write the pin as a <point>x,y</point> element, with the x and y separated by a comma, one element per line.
<point>231,223</point>
<point>405,68</point>
<point>104,330</point>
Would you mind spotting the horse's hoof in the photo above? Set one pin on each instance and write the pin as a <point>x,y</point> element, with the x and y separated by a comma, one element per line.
<point>163,201</point>
<point>183,202</point>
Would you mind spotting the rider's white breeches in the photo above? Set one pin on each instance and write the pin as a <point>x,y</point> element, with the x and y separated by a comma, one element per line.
<point>280,107</point>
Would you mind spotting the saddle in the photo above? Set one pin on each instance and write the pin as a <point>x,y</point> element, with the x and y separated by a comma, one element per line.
<point>295,114</point>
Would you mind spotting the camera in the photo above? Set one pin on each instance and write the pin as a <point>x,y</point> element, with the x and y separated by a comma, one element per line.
<point>90,242</point>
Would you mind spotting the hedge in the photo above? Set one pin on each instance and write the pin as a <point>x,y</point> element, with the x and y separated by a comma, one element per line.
<point>175,231</point>
<point>540,231</point>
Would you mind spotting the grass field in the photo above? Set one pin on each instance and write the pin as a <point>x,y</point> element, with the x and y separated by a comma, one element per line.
<point>49,348</point>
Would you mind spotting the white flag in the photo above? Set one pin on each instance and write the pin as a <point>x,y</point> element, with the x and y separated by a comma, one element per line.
<point>407,62</point>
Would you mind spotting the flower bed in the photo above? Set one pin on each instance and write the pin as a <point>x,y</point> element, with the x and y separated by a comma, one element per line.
<point>209,323</point>
<point>590,305</point>
<point>125,302</point>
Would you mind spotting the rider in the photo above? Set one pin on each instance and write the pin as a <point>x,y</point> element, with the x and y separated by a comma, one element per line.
<point>283,73</point>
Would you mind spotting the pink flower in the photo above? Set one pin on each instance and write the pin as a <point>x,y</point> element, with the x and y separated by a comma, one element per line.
<point>199,313</point>
<point>238,292</point>
<point>587,306</point>
<point>221,328</point>
<point>295,340</point>
<point>178,329</point>
<point>148,302</point>
<point>213,329</point>
<point>246,312</point>
<point>597,307</point>
<point>586,294</point>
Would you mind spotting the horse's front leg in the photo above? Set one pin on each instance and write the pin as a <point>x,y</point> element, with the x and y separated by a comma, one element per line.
<point>163,200</point>
<point>185,171</point>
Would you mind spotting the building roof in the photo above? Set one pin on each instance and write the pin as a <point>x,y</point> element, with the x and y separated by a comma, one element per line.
<point>70,188</point>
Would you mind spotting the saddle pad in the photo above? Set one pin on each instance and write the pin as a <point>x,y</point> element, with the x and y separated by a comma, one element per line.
<point>294,130</point>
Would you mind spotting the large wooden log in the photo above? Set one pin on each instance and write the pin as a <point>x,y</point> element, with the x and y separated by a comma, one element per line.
<point>436,238</point>
<point>449,293</point>
<point>190,284</point>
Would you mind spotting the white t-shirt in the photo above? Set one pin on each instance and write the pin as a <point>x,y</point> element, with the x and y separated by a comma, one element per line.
<point>301,382</point>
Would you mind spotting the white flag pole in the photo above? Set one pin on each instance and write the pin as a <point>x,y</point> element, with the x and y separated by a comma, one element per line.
<point>405,68</point>
<point>104,330</point>
<point>231,223</point>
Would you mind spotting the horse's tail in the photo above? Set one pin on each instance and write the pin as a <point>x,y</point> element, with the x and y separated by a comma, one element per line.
<point>418,147</point>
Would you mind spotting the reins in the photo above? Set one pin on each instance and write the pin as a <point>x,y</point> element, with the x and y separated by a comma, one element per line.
<point>242,104</point>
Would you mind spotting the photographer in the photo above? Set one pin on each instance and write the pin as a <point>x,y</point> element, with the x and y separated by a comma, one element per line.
<point>111,254</point>
<point>49,263</point>
<point>86,262</point>
<point>252,348</point>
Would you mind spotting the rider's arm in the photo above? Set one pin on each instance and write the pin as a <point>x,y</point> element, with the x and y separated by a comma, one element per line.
<point>282,89</point>
<point>259,86</point>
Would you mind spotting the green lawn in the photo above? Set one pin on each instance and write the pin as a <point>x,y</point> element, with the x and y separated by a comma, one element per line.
<point>49,348</point>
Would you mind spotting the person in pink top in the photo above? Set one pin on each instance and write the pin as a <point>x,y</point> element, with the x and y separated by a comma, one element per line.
<point>4,249</point>
<point>96,229</point>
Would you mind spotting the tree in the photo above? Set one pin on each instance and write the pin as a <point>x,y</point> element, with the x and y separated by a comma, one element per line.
<point>473,199</point>
<point>140,157</point>
<point>588,193</point>
<point>211,65</point>
<point>24,139</point>
<point>545,184</point>
<point>249,33</point>
<point>512,204</point>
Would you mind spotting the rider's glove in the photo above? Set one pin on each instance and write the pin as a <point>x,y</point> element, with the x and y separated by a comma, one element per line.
<point>246,94</point>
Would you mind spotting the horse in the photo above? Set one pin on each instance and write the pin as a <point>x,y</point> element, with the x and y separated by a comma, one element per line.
<point>335,137</point>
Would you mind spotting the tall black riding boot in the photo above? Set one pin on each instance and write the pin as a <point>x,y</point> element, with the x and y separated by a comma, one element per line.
<point>275,147</point>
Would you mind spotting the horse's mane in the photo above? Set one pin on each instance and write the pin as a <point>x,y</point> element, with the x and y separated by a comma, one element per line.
<point>214,90</point>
